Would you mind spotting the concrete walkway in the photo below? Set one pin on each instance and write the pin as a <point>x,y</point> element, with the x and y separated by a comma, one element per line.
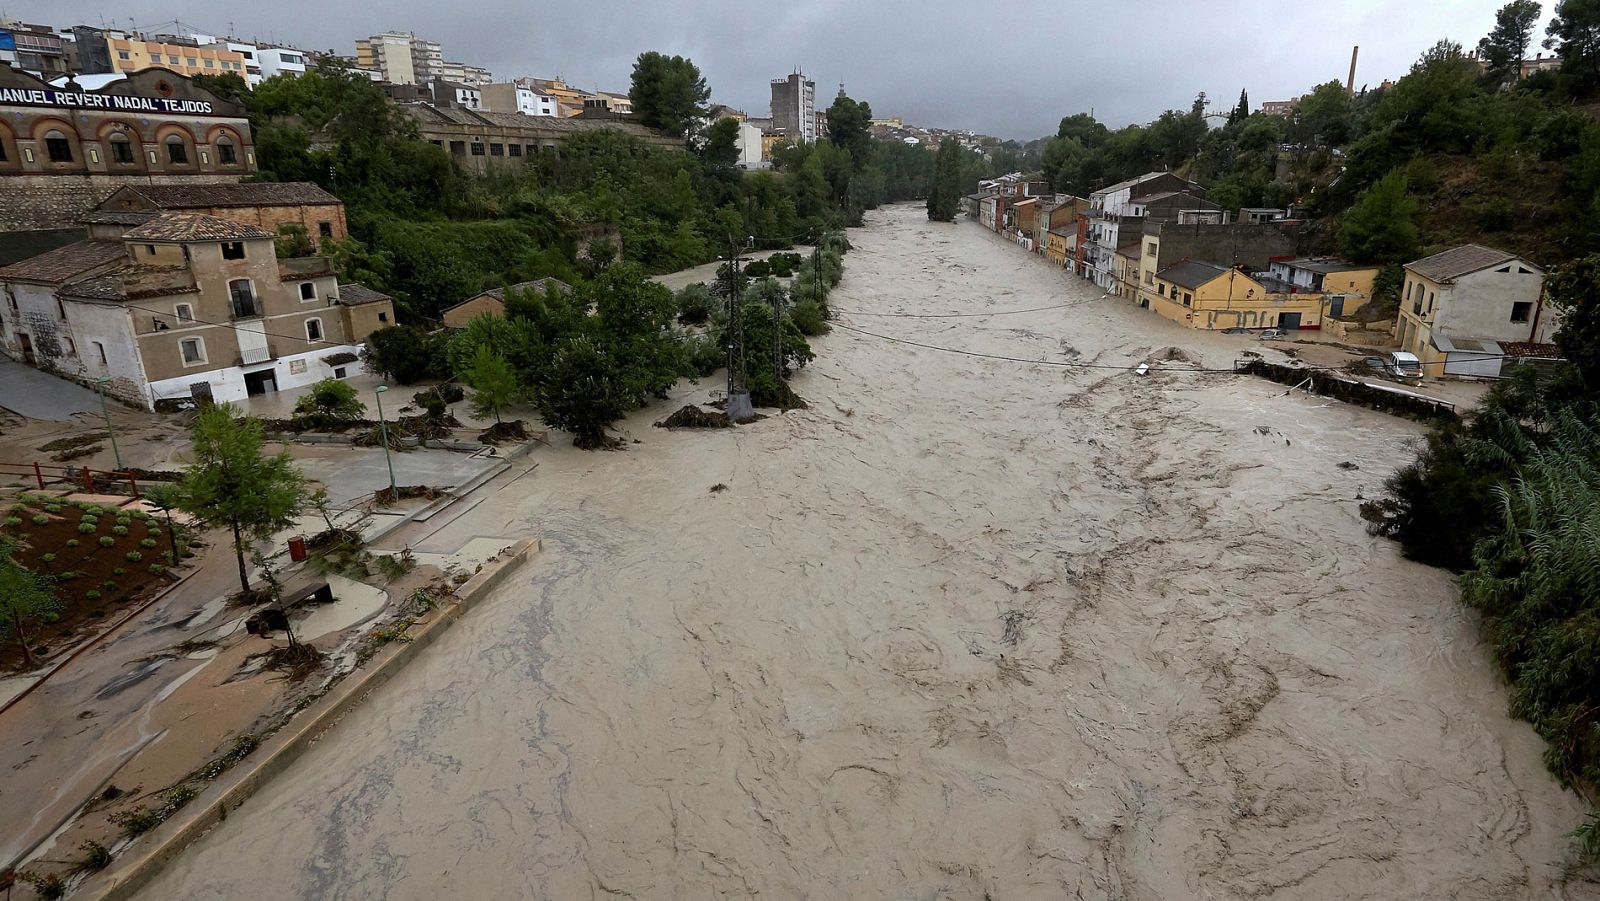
<point>38,395</point>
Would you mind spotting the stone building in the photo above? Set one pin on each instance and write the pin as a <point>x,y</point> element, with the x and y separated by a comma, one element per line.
<point>480,139</point>
<point>275,206</point>
<point>184,305</point>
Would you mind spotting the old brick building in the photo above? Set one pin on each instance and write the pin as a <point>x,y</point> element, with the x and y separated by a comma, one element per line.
<point>274,206</point>
<point>64,150</point>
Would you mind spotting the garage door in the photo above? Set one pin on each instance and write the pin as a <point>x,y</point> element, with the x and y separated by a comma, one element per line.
<point>1477,364</point>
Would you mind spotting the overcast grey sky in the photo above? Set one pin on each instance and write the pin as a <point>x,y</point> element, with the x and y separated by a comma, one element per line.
<point>1009,68</point>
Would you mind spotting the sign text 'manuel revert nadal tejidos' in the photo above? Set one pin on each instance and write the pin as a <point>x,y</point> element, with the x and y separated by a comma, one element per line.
<point>82,100</point>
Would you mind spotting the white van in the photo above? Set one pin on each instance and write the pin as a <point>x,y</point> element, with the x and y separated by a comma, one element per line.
<point>1401,364</point>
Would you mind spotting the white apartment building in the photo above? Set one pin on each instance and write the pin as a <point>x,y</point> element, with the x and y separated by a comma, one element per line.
<point>511,97</point>
<point>1107,208</point>
<point>280,61</point>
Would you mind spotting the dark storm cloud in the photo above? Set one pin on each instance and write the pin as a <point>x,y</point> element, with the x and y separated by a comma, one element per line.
<point>1009,68</point>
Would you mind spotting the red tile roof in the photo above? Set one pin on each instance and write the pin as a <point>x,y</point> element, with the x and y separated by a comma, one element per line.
<point>65,263</point>
<point>183,227</point>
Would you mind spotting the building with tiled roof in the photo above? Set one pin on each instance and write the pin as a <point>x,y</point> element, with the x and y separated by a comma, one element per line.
<point>1459,309</point>
<point>279,207</point>
<point>184,305</point>
<point>493,301</point>
<point>478,139</point>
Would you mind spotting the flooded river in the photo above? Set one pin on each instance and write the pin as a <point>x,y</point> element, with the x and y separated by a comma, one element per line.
<point>967,628</point>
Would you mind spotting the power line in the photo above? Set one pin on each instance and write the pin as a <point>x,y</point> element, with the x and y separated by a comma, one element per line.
<point>240,328</point>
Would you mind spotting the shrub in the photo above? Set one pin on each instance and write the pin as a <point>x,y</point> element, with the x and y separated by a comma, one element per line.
<point>147,542</point>
<point>91,595</point>
<point>134,556</point>
<point>119,530</point>
<point>757,269</point>
<point>93,510</point>
<point>109,585</point>
<point>119,571</point>
<point>87,528</point>
<point>808,318</point>
<point>41,519</point>
<point>52,508</point>
<point>107,541</point>
<point>329,402</point>
<point>48,558</point>
<point>157,569</point>
<point>13,520</point>
<point>695,304</point>
<point>405,353</point>
<point>72,542</point>
<point>705,355</point>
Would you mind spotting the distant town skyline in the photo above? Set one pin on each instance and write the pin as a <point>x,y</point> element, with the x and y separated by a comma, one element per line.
<point>952,65</point>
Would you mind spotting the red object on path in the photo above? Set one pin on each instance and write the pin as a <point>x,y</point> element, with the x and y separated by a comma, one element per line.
<point>297,549</point>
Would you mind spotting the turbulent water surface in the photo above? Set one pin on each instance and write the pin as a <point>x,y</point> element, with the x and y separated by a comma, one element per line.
<point>966,628</point>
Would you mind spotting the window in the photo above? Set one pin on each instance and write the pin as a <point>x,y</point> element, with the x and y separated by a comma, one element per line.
<point>325,229</point>
<point>226,154</point>
<point>497,150</point>
<point>1162,290</point>
<point>185,312</point>
<point>150,249</point>
<point>57,147</point>
<point>100,351</point>
<point>458,147</point>
<point>383,317</point>
<point>1150,248</point>
<point>313,329</point>
<point>1504,269</point>
<point>193,350</point>
<point>514,149</point>
<point>177,153</point>
<point>243,298</point>
<point>1524,271</point>
<point>1188,299</point>
<point>477,148</point>
<point>190,60</point>
<point>172,60</point>
<point>210,63</point>
<point>233,250</point>
<point>338,372</point>
<point>2,151</point>
<point>121,150</point>
<point>122,54</point>
<point>308,291</point>
<point>1521,310</point>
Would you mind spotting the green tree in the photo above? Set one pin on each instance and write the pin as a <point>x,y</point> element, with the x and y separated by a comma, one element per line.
<point>583,392</point>
<point>1085,129</point>
<point>1382,225</point>
<point>722,143</point>
<point>1503,49</point>
<point>404,353</point>
<point>166,497</point>
<point>944,201</point>
<point>668,93</point>
<point>25,598</point>
<point>1574,33</point>
<point>493,382</point>
<point>331,401</point>
<point>1324,115</point>
<point>1242,111</point>
<point>850,127</point>
<point>228,86</point>
<point>1574,290</point>
<point>234,483</point>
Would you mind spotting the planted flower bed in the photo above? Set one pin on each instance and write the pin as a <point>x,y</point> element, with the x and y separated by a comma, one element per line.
<point>100,559</point>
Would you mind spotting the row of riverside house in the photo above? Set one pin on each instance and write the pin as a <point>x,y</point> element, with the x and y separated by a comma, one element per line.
<point>1155,240</point>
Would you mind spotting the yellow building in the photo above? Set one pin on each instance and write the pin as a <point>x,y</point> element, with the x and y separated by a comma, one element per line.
<point>1058,244</point>
<point>1208,296</point>
<point>131,55</point>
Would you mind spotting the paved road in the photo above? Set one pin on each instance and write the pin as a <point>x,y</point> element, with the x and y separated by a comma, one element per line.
<point>38,395</point>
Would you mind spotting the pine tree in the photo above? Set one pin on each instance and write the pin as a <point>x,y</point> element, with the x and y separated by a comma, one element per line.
<point>1382,225</point>
<point>1503,48</point>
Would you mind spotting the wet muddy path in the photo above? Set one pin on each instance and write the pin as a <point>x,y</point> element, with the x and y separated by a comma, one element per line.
<point>965,629</point>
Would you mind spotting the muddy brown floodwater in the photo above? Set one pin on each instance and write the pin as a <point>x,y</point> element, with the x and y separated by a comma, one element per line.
<point>964,629</point>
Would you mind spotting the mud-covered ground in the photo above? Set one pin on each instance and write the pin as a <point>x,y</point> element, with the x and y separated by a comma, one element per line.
<point>966,628</point>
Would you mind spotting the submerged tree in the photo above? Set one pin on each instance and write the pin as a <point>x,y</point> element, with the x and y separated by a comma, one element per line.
<point>493,382</point>
<point>583,392</point>
<point>944,200</point>
<point>233,482</point>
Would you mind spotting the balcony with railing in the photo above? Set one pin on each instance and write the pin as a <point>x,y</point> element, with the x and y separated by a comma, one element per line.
<point>251,355</point>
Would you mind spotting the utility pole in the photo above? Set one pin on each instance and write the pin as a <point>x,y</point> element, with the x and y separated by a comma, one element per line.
<point>738,405</point>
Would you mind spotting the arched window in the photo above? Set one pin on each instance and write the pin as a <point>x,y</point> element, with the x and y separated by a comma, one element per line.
<point>177,151</point>
<point>121,148</point>
<point>227,152</point>
<point>57,146</point>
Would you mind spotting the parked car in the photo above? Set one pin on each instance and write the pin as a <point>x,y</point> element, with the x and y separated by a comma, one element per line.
<point>1272,334</point>
<point>1236,330</point>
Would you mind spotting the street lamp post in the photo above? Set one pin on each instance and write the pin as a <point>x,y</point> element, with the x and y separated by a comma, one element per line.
<point>100,388</point>
<point>383,433</point>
